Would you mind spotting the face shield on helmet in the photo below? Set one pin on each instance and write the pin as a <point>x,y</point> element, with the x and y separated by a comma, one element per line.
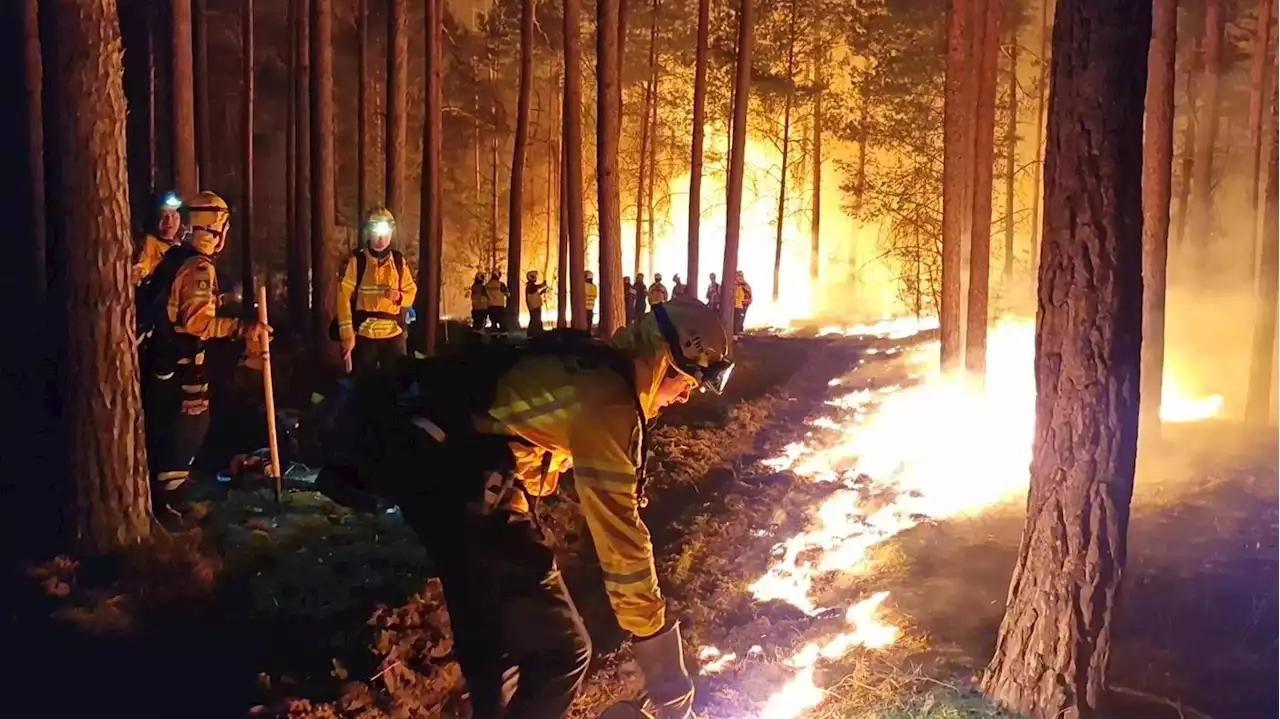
<point>209,218</point>
<point>697,342</point>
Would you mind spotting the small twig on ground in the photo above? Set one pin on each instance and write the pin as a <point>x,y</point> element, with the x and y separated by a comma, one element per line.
<point>384,670</point>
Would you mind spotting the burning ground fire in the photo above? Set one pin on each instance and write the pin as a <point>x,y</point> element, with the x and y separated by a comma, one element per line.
<point>897,456</point>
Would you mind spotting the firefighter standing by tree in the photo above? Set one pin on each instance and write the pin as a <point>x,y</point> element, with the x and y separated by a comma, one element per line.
<point>168,232</point>
<point>713,293</point>
<point>534,291</point>
<point>479,303</point>
<point>629,301</point>
<point>497,441</point>
<point>678,288</point>
<point>642,298</point>
<point>178,308</point>
<point>657,291</point>
<point>377,286</point>
<point>741,303</point>
<point>591,293</point>
<point>496,290</point>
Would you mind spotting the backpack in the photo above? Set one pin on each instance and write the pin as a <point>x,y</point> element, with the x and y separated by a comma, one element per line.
<point>359,316</point>
<point>157,341</point>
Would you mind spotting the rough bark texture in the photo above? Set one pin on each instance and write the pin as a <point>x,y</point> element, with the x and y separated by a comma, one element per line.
<point>34,77</point>
<point>1054,643</point>
<point>431,226</point>
<point>293,313</point>
<point>515,208</point>
<point>1261,389</point>
<point>653,155</point>
<point>362,112</point>
<point>608,105</point>
<point>184,115</point>
<point>572,32</point>
<point>815,222</point>
<point>323,284</point>
<point>299,249</point>
<point>1157,188</point>
<point>1042,89</point>
<point>562,246</point>
<point>101,402</point>
<point>786,147</point>
<point>986,46</point>
<point>1010,155</point>
<point>645,126</point>
<point>397,101</point>
<point>204,141</point>
<point>1257,88</point>
<point>737,159</point>
<point>699,131</point>
<point>1206,136</point>
<point>246,180</point>
<point>955,178</point>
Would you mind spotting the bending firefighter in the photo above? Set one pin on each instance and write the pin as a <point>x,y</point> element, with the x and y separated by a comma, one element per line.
<point>178,315</point>
<point>466,445</point>
<point>377,287</point>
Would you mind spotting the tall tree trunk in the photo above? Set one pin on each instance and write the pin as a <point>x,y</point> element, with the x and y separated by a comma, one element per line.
<point>1261,390</point>
<point>1054,644</point>
<point>957,178</point>
<point>572,32</point>
<point>786,147</point>
<point>699,131</point>
<point>300,241</point>
<point>987,46</point>
<point>101,402</point>
<point>362,112</point>
<point>1010,154</point>
<point>37,261</point>
<point>184,119</point>
<point>397,102</point>
<point>554,165</point>
<point>246,181</point>
<point>608,104</point>
<point>562,246</point>
<point>1257,87</point>
<point>1042,87</point>
<point>515,208</point>
<point>291,166</point>
<point>322,178</point>
<point>737,159</point>
<point>815,222</point>
<point>653,172</point>
<point>1206,136</point>
<point>204,140</point>
<point>1187,162</point>
<point>493,162</point>
<point>644,146</point>
<point>1157,187</point>
<point>431,241</point>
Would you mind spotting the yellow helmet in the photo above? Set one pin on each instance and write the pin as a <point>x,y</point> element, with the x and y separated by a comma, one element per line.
<point>209,213</point>
<point>697,340</point>
<point>380,222</point>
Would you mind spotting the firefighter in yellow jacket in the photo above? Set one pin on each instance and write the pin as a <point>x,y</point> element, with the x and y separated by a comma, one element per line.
<point>377,287</point>
<point>168,232</point>
<point>590,294</point>
<point>520,641</point>
<point>176,391</point>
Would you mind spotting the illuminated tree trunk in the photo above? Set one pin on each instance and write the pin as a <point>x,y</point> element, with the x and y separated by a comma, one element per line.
<point>184,120</point>
<point>1042,87</point>
<point>1157,171</point>
<point>1206,136</point>
<point>644,145</point>
<point>607,124</point>
<point>246,127</point>
<point>397,102</point>
<point>562,246</point>
<point>1187,162</point>
<point>1010,155</point>
<point>737,159</point>
<point>1257,88</point>
<point>956,178</point>
<point>815,222</point>
<point>299,247</point>
<point>322,178</point>
<point>699,130</point>
<point>554,165</point>
<point>1054,644</point>
<point>986,49</point>
<point>515,208</point>
<point>786,147</point>
<point>1261,389</point>
<point>204,141</point>
<point>431,241</point>
<point>101,402</point>
<point>362,111</point>
<point>612,299</point>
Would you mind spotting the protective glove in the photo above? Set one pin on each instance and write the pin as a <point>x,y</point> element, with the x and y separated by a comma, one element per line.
<point>666,681</point>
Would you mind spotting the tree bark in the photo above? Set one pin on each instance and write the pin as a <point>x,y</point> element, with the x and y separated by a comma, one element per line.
<point>956,177</point>
<point>699,132</point>
<point>322,178</point>
<point>737,160</point>
<point>562,246</point>
<point>815,222</point>
<point>38,261</point>
<point>299,248</point>
<point>653,170</point>
<point>362,112</point>
<point>246,127</point>
<point>204,140</point>
<point>1206,136</point>
<point>607,125</point>
<point>987,44</point>
<point>431,241</point>
<point>1054,643</point>
<point>291,168</point>
<point>644,148</point>
<point>1157,188</point>
<point>1010,155</point>
<point>572,31</point>
<point>397,102</point>
<point>1187,162</point>
<point>184,120</point>
<point>1041,92</point>
<point>1257,87</point>
<point>786,147</point>
<point>101,402</point>
<point>1261,388</point>
<point>515,208</point>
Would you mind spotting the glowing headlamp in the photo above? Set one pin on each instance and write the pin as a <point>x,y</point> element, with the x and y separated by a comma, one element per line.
<point>380,228</point>
<point>171,201</point>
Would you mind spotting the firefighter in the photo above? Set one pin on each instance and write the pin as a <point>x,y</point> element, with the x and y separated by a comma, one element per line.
<point>629,301</point>
<point>377,286</point>
<point>741,303</point>
<point>534,291</point>
<point>168,232</point>
<point>713,293</point>
<point>657,291</point>
<point>581,404</point>
<point>642,297</point>
<point>479,303</point>
<point>496,290</point>
<point>678,288</point>
<point>176,392</point>
<point>591,294</point>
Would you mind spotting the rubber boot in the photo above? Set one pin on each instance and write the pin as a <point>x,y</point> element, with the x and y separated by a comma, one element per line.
<point>666,681</point>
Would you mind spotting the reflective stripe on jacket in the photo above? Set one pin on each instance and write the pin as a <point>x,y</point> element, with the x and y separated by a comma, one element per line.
<point>497,293</point>
<point>657,293</point>
<point>379,276</point>
<point>591,293</point>
<point>193,301</point>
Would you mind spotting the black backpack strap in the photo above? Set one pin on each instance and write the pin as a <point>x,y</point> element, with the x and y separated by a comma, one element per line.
<point>398,258</point>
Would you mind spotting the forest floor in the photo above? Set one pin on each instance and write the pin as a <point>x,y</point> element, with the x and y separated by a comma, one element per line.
<point>777,537</point>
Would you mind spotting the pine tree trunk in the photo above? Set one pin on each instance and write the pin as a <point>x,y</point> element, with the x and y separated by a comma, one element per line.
<point>554,164</point>
<point>786,147</point>
<point>204,140</point>
<point>572,32</point>
<point>515,208</point>
<point>184,116</point>
<point>1010,155</point>
<point>299,248</point>
<point>246,180</point>
<point>815,222</point>
<point>737,159</point>
<point>1261,390</point>
<point>651,209</point>
<point>987,46</point>
<point>101,402</point>
<point>1054,644</point>
<point>362,112</point>
<point>644,151</point>
<point>1206,136</point>
<point>699,133</point>
<point>608,73</point>
<point>322,179</point>
<point>397,102</point>
<point>34,78</point>
<point>562,247</point>
<point>1042,87</point>
<point>1187,162</point>
<point>431,240</point>
<point>956,178</point>
<point>1257,87</point>
<point>1157,187</point>
<point>291,164</point>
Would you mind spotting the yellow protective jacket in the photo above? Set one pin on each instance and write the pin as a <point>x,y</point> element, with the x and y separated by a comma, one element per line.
<point>586,418</point>
<point>479,299</point>
<point>497,292</point>
<point>149,255</point>
<point>379,275</point>
<point>741,295</point>
<point>193,302</point>
<point>591,293</point>
<point>657,293</point>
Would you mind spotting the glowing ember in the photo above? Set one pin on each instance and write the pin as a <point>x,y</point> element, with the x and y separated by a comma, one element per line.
<point>715,661</point>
